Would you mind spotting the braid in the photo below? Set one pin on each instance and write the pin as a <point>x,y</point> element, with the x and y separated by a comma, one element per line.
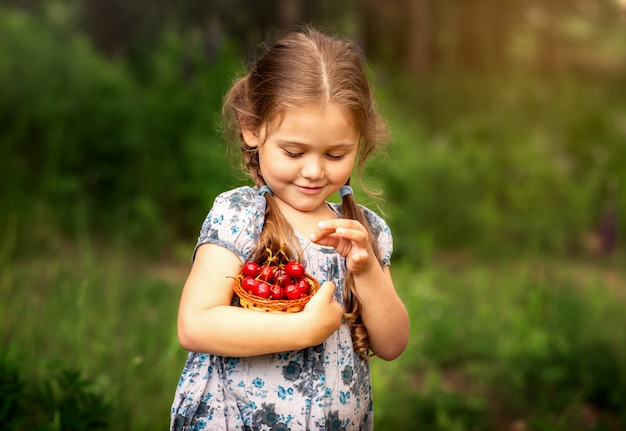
<point>352,304</point>
<point>277,234</point>
<point>251,162</point>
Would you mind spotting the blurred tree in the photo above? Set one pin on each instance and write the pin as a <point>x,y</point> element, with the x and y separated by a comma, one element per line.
<point>131,30</point>
<point>398,33</point>
<point>549,47</point>
<point>26,5</point>
<point>419,52</point>
<point>417,36</point>
<point>482,32</point>
<point>123,29</point>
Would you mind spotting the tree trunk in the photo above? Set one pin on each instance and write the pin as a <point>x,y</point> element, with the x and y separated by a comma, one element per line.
<point>418,58</point>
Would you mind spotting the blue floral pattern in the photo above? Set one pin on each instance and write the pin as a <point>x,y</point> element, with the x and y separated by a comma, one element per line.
<point>323,388</point>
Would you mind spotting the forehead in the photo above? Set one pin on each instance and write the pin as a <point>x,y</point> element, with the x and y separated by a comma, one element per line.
<point>307,118</point>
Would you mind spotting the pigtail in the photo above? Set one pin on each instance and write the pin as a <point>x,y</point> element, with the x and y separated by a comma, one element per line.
<point>351,302</point>
<point>277,234</point>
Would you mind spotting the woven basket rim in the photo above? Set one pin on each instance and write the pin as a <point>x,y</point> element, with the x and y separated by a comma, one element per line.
<point>275,304</point>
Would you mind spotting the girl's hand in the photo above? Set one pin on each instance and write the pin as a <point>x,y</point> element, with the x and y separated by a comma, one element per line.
<point>350,239</point>
<point>325,313</point>
<point>383,313</point>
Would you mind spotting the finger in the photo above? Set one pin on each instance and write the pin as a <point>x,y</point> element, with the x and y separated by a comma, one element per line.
<point>338,227</point>
<point>324,238</point>
<point>325,292</point>
<point>360,257</point>
<point>354,235</point>
<point>333,224</point>
<point>322,230</point>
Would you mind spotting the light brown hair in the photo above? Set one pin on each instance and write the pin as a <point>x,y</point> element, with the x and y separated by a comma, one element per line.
<point>307,67</point>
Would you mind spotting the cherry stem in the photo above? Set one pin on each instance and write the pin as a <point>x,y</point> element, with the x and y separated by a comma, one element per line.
<point>302,251</point>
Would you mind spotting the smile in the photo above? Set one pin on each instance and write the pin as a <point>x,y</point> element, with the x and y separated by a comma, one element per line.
<point>309,190</point>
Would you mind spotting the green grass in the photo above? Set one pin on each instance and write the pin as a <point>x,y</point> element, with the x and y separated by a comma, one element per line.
<point>534,342</point>
<point>104,315</point>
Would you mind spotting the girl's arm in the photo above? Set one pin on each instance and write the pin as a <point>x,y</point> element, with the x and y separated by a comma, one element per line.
<point>384,315</point>
<point>208,323</point>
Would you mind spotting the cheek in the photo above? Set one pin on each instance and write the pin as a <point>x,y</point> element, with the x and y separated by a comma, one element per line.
<point>344,169</point>
<point>275,164</point>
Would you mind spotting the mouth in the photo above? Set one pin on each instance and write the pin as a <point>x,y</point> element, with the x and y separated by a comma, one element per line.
<point>309,190</point>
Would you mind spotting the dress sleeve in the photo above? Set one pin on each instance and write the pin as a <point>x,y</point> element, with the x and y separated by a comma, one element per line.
<point>382,232</point>
<point>234,222</point>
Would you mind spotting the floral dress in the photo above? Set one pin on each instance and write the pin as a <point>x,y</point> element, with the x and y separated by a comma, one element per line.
<point>325,387</point>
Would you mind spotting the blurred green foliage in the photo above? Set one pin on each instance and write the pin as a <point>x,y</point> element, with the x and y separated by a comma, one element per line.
<point>528,343</point>
<point>84,142</point>
<point>507,165</point>
<point>64,401</point>
<point>104,160</point>
<point>489,164</point>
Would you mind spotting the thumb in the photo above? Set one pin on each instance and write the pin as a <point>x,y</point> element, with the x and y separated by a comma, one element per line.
<point>325,294</point>
<point>326,291</point>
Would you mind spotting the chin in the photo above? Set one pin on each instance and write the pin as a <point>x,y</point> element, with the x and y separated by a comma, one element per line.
<point>308,207</point>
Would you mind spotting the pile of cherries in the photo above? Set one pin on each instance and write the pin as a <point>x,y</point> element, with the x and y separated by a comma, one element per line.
<point>272,281</point>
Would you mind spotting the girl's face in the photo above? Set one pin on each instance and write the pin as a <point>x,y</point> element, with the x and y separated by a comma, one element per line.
<point>307,156</point>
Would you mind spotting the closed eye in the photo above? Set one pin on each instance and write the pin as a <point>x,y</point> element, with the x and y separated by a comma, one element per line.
<point>292,155</point>
<point>335,156</point>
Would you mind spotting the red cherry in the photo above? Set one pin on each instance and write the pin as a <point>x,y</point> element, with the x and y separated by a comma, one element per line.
<point>250,269</point>
<point>276,291</point>
<point>266,274</point>
<point>249,284</point>
<point>304,286</point>
<point>281,277</point>
<point>295,269</point>
<point>262,290</point>
<point>292,291</point>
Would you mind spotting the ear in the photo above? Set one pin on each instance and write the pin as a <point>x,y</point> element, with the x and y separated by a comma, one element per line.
<point>250,137</point>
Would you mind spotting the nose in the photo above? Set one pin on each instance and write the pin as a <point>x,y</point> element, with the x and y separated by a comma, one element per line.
<point>312,168</point>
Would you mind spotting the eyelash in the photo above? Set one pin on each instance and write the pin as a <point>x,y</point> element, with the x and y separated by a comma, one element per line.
<point>330,156</point>
<point>292,155</point>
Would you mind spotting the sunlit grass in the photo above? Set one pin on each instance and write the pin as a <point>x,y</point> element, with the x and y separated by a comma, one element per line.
<point>101,315</point>
<point>533,340</point>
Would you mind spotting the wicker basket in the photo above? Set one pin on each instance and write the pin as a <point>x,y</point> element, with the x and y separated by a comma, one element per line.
<point>253,302</point>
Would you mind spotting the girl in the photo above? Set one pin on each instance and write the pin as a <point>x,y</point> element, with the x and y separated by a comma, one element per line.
<point>303,116</point>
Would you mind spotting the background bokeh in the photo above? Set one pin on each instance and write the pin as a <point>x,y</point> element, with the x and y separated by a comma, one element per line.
<point>503,186</point>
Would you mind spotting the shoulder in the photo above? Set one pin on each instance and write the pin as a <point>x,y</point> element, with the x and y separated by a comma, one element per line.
<point>233,207</point>
<point>378,224</point>
<point>235,220</point>
<point>240,198</point>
